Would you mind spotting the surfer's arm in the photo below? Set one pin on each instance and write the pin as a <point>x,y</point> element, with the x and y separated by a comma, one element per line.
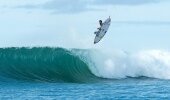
<point>99,28</point>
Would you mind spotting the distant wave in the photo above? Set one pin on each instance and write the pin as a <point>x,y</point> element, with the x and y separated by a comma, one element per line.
<point>79,65</point>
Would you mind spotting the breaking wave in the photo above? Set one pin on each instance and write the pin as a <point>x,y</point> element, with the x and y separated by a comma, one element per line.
<point>79,65</point>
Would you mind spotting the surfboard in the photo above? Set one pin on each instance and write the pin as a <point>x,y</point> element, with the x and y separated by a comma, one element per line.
<point>104,28</point>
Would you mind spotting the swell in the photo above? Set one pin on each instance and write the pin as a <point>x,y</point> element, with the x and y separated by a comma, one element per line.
<point>43,64</point>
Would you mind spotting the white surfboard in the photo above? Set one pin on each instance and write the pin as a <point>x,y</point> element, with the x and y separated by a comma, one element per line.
<point>104,28</point>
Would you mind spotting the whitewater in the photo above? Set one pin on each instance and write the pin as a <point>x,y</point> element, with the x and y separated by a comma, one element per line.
<point>121,64</point>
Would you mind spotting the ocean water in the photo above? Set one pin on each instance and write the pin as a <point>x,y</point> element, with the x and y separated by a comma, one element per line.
<point>44,73</point>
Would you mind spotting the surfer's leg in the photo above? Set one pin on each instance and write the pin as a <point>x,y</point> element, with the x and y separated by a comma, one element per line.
<point>97,34</point>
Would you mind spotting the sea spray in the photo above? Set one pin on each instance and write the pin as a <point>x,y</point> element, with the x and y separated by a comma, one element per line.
<point>121,64</point>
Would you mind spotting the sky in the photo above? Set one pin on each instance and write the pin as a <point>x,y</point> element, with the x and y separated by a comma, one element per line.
<point>136,24</point>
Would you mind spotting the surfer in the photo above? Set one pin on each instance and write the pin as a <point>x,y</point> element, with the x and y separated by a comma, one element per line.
<point>101,31</point>
<point>101,23</point>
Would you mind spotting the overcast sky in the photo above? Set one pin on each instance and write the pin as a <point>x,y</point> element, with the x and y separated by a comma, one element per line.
<point>136,24</point>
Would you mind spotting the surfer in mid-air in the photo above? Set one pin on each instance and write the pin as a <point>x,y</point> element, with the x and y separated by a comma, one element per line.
<point>100,22</point>
<point>104,26</point>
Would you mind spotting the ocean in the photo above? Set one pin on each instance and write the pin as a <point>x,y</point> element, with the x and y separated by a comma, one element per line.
<point>46,73</point>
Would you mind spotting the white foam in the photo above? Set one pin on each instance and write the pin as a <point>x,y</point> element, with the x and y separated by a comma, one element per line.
<point>149,63</point>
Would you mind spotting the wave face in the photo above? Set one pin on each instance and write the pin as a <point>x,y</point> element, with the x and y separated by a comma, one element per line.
<point>79,65</point>
<point>43,64</point>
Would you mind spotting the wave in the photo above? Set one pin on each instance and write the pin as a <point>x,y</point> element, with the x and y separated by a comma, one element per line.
<point>47,64</point>
<point>43,64</point>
